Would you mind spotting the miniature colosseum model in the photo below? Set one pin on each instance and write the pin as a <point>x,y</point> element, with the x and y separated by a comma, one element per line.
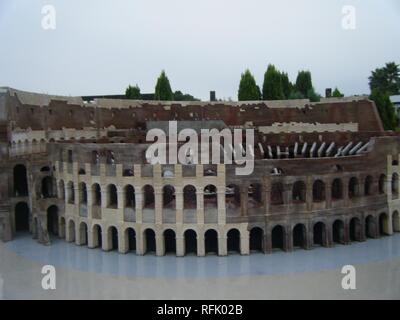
<point>325,173</point>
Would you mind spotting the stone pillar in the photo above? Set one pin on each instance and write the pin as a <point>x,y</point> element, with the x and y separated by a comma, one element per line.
<point>92,242</point>
<point>160,245</point>
<point>245,243</point>
<point>201,250</point>
<point>309,193</point>
<point>139,205</point>
<point>288,240</point>
<point>222,246</point>
<point>200,206</point>
<point>363,236</point>
<point>140,243</point>
<point>158,205</point>
<point>89,202</point>
<point>179,205</point>
<point>346,230</point>
<point>268,241</point>
<point>328,193</point>
<point>123,242</point>
<point>79,239</point>
<point>106,240</point>
<point>180,246</point>
<point>221,206</point>
<point>120,198</point>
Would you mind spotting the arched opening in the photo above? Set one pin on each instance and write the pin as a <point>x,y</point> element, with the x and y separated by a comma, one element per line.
<point>299,192</point>
<point>232,196</point>
<point>22,217</point>
<point>396,221</point>
<point>83,233</point>
<point>148,192</point>
<point>383,224</point>
<point>52,221</point>
<point>370,227</point>
<point>382,183</point>
<point>49,187</point>
<point>355,229</point>
<point>255,195</point>
<point>233,241</point>
<point>20,181</point>
<point>211,241</point>
<point>278,235</point>
<point>112,197</point>
<point>189,197</point>
<point>277,193</point>
<point>395,185</point>
<point>210,197</point>
<point>130,198</point>
<point>131,237</point>
<point>319,237</point>
<point>169,197</point>
<point>190,242</point>
<point>353,187</point>
<point>113,233</point>
<point>96,194</point>
<point>300,236</point>
<point>82,193</point>
<point>169,241</point>
<point>97,237</point>
<point>150,245</point>
<point>71,192</point>
<point>337,189</point>
<point>368,186</point>
<point>338,232</point>
<point>81,172</point>
<point>256,239</point>
<point>318,191</point>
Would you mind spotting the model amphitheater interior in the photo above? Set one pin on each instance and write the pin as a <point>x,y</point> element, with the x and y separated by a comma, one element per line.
<point>324,173</point>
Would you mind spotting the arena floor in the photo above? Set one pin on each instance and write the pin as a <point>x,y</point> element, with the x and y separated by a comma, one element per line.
<point>83,273</point>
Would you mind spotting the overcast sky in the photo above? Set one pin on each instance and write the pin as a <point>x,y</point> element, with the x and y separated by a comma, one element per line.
<point>101,46</point>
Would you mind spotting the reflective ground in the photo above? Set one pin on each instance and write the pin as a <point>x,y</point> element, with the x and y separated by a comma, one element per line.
<point>85,274</point>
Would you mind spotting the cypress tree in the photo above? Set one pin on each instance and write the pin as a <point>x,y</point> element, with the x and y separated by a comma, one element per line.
<point>248,88</point>
<point>163,89</point>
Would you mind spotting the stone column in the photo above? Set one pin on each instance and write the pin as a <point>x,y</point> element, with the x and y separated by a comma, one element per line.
<point>244,200</point>
<point>222,246</point>
<point>180,246</point>
<point>160,245</point>
<point>221,206</point>
<point>288,240</point>
<point>179,205</point>
<point>158,205</point>
<point>309,193</point>
<point>346,230</point>
<point>140,242</point>
<point>328,193</point>
<point>106,240</point>
<point>268,241</point>
<point>89,202</point>
<point>123,242</point>
<point>245,243</point>
<point>139,205</point>
<point>200,206</point>
<point>92,242</point>
<point>201,251</point>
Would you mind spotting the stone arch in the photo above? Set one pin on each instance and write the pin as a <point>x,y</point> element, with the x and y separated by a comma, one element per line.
<point>169,199</point>
<point>112,234</point>
<point>112,196</point>
<point>130,238</point>
<point>211,241</point>
<point>370,227</point>
<point>353,187</point>
<point>96,195</point>
<point>257,239</point>
<point>319,234</point>
<point>337,189</point>
<point>318,191</point>
<point>355,229</point>
<point>300,236</point>
<point>277,193</point>
<point>149,237</point>
<point>97,236</point>
<point>130,197</point>
<point>48,187</point>
<point>169,241</point>
<point>189,197</point>
<point>190,241</point>
<point>299,192</point>
<point>368,184</point>
<point>338,232</point>
<point>384,224</point>
<point>278,237</point>
<point>210,196</point>
<point>149,198</point>
<point>82,193</point>
<point>233,240</point>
